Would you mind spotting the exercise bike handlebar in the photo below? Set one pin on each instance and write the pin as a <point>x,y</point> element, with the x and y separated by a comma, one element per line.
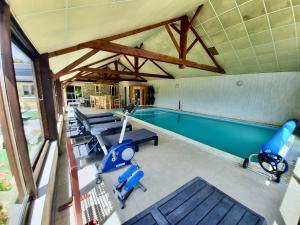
<point>130,109</point>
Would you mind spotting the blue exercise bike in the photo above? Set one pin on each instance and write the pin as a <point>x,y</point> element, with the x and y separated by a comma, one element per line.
<point>121,154</point>
<point>118,156</point>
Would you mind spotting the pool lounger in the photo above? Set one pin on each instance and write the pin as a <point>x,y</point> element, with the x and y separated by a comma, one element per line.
<point>83,126</point>
<point>108,128</point>
<point>90,116</point>
<point>103,120</point>
<point>106,119</point>
<point>137,136</point>
<point>197,202</point>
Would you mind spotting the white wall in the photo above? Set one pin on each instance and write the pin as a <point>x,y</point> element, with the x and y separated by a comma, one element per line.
<point>267,98</point>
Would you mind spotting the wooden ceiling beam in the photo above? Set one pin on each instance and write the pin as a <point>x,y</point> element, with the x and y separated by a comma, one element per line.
<point>118,79</point>
<point>72,65</point>
<point>125,56</point>
<point>142,78</point>
<point>206,50</point>
<point>104,65</point>
<point>162,69</point>
<point>175,28</point>
<point>76,75</point>
<point>194,16</point>
<point>142,29</point>
<point>143,63</point>
<point>184,28</point>
<point>96,62</point>
<point>102,60</point>
<point>122,49</point>
<point>173,38</point>
<point>113,37</point>
<point>125,66</point>
<point>106,71</point>
<point>191,46</point>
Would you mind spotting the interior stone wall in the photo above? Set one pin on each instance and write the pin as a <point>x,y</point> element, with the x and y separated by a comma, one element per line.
<point>266,98</point>
<point>90,88</point>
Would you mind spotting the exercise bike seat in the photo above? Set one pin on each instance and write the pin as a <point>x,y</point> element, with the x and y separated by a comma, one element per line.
<point>111,127</point>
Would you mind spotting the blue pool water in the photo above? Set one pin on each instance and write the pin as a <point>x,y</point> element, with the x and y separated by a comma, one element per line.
<point>235,137</point>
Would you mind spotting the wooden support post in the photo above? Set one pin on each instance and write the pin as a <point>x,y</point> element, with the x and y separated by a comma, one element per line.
<point>116,69</point>
<point>16,130</point>
<point>136,64</point>
<point>59,97</point>
<point>184,27</point>
<point>47,100</point>
<point>116,65</point>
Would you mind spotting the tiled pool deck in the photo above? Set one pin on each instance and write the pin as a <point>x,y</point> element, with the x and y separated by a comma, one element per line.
<point>174,162</point>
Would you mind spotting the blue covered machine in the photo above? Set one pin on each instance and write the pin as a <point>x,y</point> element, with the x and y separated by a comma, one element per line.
<point>272,154</point>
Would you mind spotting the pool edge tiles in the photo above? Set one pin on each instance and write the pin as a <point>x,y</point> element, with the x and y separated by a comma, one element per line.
<point>214,117</point>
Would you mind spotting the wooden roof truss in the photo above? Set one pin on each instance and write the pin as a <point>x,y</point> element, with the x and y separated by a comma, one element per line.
<point>115,71</point>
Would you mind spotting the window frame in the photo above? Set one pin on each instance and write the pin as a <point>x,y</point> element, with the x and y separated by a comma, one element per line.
<point>11,118</point>
<point>16,40</point>
<point>14,137</point>
<point>15,35</point>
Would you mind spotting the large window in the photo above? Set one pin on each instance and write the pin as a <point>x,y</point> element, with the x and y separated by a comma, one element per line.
<point>29,102</point>
<point>10,200</point>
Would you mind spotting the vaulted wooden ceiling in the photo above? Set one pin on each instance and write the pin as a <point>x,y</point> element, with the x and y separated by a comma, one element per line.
<point>105,73</point>
<point>250,36</point>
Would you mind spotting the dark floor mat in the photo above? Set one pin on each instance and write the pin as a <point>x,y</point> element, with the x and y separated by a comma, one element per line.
<point>197,202</point>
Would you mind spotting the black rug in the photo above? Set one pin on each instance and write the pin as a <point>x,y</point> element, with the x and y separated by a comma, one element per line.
<point>197,202</point>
